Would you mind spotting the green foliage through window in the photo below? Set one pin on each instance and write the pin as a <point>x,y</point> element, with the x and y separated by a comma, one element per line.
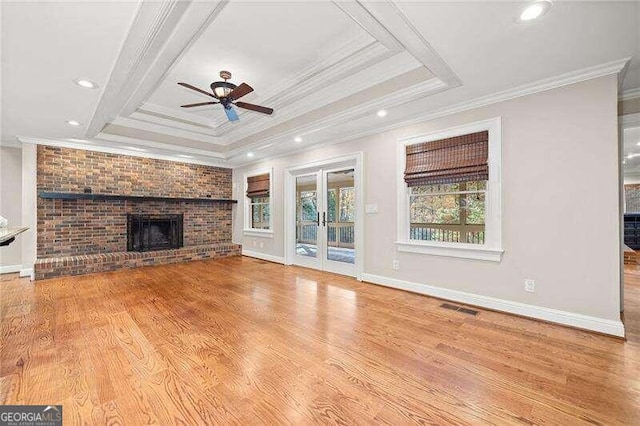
<point>448,212</point>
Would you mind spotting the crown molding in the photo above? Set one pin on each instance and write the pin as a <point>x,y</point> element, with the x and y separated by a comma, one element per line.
<point>174,124</point>
<point>171,131</point>
<point>561,80</point>
<point>577,76</point>
<point>121,151</point>
<point>7,143</point>
<point>630,94</point>
<point>158,145</point>
<point>629,121</point>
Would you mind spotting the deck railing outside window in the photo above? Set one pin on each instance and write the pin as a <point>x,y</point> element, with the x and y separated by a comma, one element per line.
<point>339,234</point>
<point>473,234</point>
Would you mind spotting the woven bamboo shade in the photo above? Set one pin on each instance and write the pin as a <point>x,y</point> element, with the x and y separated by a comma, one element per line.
<point>258,186</point>
<point>458,159</point>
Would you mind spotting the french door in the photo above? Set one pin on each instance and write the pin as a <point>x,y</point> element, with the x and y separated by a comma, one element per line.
<point>325,220</point>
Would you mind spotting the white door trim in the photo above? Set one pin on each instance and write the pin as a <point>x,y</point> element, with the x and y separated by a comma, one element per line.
<point>355,160</point>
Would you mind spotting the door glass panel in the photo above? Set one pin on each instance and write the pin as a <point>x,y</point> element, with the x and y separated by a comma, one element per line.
<point>306,216</point>
<point>341,207</point>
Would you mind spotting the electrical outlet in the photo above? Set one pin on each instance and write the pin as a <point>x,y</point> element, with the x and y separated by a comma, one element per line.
<point>396,266</point>
<point>530,286</point>
<point>255,243</point>
<point>261,244</point>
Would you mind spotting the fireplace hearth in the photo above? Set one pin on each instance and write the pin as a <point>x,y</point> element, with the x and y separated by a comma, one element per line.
<point>154,232</point>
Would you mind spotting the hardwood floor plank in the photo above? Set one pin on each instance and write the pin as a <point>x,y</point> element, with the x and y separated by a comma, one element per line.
<point>243,341</point>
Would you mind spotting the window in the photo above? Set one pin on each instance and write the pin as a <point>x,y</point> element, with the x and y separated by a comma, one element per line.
<point>260,215</point>
<point>449,192</point>
<point>448,212</point>
<point>258,193</point>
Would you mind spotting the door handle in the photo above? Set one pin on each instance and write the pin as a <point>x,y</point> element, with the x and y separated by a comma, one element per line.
<point>318,219</point>
<point>324,218</point>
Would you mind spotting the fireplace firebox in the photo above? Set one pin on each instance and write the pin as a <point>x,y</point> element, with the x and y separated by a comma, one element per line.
<point>154,232</point>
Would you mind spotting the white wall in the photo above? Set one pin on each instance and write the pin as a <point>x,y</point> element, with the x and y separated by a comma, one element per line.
<point>560,207</point>
<point>11,205</point>
<point>29,214</point>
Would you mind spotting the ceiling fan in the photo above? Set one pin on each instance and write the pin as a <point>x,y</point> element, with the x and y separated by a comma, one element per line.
<point>227,95</point>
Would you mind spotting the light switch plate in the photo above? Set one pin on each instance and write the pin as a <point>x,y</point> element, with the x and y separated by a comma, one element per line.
<point>371,208</point>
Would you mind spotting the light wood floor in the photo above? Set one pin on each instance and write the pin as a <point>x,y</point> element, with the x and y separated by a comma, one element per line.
<point>249,342</point>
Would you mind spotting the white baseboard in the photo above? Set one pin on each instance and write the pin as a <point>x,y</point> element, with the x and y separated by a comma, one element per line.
<point>601,325</point>
<point>263,256</point>
<point>27,272</point>
<point>10,269</point>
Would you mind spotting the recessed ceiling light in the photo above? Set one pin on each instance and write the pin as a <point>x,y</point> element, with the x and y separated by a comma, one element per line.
<point>73,123</point>
<point>638,144</point>
<point>535,10</point>
<point>86,84</point>
<point>381,113</point>
<point>297,139</point>
<point>135,148</point>
<point>249,154</point>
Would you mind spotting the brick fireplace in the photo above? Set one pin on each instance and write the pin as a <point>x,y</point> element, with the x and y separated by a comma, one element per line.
<point>84,235</point>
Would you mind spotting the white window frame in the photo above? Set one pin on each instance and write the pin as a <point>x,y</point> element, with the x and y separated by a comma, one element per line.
<point>248,230</point>
<point>492,249</point>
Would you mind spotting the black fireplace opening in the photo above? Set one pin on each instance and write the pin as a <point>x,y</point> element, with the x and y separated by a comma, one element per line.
<point>154,232</point>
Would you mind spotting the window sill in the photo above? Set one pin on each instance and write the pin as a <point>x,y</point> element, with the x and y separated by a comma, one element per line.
<point>465,251</point>
<point>264,233</point>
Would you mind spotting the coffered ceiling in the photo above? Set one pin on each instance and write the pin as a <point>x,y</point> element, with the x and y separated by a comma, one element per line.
<point>326,68</point>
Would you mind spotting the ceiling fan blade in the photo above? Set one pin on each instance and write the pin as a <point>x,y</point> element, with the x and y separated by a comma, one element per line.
<point>232,115</point>
<point>256,108</point>
<point>198,104</point>
<point>188,86</point>
<point>240,91</point>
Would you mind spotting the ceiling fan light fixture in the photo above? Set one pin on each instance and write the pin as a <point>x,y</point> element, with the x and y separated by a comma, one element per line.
<point>222,88</point>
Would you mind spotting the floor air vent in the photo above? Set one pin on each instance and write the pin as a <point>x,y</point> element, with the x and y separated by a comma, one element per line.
<point>459,309</point>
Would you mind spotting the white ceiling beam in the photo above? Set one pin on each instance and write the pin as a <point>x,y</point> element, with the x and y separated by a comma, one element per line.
<point>159,35</point>
<point>387,14</point>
